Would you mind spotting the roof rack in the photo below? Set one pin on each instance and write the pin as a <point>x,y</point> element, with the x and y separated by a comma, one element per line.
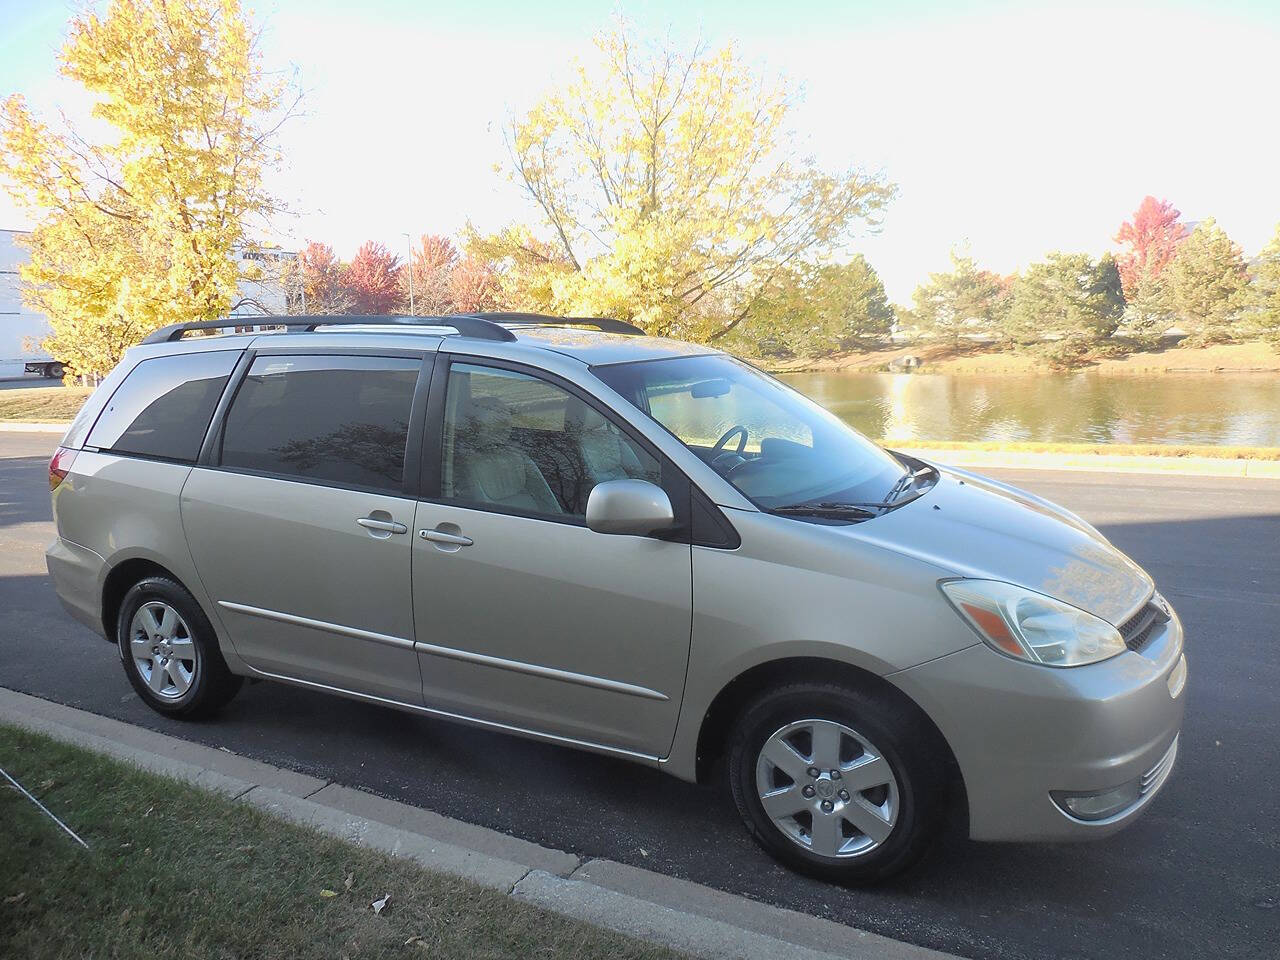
<point>468,326</point>
<point>481,326</point>
<point>603,324</point>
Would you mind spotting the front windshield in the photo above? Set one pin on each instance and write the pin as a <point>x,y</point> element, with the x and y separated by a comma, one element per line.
<point>773,444</point>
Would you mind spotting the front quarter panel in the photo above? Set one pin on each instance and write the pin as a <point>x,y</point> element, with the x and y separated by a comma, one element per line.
<point>795,589</point>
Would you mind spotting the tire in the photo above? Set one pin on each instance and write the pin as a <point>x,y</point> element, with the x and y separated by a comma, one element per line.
<point>877,738</point>
<point>184,648</point>
<point>54,371</point>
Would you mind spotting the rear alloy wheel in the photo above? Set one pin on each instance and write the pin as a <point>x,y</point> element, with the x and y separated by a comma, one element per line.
<point>162,650</point>
<point>170,651</point>
<point>841,783</point>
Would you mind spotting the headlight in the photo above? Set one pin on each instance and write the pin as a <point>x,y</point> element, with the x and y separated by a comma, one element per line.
<point>1031,626</point>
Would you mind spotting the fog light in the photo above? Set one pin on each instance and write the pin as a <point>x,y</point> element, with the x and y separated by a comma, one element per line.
<point>1099,806</point>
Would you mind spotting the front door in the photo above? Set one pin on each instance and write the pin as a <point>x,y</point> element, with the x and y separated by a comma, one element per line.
<point>300,531</point>
<point>524,616</point>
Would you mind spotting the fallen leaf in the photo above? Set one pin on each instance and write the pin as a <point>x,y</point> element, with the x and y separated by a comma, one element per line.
<point>328,893</point>
<point>351,878</point>
<point>46,784</point>
<point>379,905</point>
<point>16,898</point>
<point>644,852</point>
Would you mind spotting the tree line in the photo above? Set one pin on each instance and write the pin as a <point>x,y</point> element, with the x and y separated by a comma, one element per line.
<point>1169,276</point>
<point>665,186</point>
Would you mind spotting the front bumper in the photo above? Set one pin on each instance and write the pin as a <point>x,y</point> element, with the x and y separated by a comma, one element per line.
<point>1022,733</point>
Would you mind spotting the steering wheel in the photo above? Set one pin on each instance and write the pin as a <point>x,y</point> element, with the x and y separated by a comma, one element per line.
<point>718,450</point>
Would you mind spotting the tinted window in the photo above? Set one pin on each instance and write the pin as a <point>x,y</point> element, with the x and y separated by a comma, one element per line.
<point>164,406</point>
<point>339,419</point>
<point>520,443</point>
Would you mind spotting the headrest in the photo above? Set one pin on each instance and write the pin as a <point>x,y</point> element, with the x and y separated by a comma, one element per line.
<point>486,424</point>
<point>592,420</point>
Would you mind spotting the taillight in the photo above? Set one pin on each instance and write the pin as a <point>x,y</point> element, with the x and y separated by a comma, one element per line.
<point>60,466</point>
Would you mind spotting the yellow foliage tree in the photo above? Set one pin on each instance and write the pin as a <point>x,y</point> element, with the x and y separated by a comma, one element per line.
<point>671,191</point>
<point>139,229</point>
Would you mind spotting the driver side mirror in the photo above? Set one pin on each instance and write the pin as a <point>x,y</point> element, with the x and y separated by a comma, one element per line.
<point>629,507</point>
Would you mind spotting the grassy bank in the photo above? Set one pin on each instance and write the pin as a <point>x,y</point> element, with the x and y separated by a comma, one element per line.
<point>42,404</point>
<point>1097,449</point>
<point>174,871</point>
<point>982,361</point>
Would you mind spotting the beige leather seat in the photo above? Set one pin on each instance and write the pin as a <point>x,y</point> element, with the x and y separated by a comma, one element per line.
<point>487,468</point>
<point>605,454</point>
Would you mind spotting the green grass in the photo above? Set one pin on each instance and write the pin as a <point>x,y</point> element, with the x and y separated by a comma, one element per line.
<point>42,404</point>
<point>174,872</point>
<point>1098,449</point>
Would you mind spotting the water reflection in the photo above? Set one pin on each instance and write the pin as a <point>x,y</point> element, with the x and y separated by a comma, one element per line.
<point>1064,408</point>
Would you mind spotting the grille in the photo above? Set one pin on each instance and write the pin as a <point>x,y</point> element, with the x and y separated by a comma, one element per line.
<point>1137,630</point>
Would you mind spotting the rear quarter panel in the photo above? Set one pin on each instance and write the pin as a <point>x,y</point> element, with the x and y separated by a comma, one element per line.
<point>126,508</point>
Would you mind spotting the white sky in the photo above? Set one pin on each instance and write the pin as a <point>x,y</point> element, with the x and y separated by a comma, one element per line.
<point>1014,128</point>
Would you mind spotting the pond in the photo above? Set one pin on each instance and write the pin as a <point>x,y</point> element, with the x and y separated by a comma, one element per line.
<point>1225,409</point>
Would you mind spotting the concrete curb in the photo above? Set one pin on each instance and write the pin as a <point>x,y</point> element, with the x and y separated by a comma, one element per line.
<point>15,426</point>
<point>651,906</point>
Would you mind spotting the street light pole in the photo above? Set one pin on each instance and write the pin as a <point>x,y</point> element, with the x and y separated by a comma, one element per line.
<point>409,241</point>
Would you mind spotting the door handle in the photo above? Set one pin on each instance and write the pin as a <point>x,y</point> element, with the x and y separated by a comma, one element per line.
<point>383,526</point>
<point>440,536</point>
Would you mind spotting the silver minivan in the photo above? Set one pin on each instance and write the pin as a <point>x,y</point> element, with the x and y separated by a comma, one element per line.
<point>570,531</point>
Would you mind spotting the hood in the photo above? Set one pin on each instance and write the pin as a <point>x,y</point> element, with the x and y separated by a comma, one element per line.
<point>976,527</point>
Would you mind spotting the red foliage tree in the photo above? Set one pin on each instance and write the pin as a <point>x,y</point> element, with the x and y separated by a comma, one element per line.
<point>373,280</point>
<point>474,286</point>
<point>1152,238</point>
<point>433,262</point>
<point>323,281</point>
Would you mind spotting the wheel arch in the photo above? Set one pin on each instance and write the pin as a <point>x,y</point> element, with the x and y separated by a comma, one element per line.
<point>119,579</point>
<point>728,704</point>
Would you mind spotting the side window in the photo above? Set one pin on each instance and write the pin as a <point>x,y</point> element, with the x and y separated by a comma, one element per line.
<point>164,406</point>
<point>344,420</point>
<point>518,442</point>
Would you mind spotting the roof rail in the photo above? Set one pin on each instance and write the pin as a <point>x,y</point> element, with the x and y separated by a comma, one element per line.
<point>603,324</point>
<point>468,325</point>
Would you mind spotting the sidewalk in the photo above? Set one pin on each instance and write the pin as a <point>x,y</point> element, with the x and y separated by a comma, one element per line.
<point>676,913</point>
<point>1098,462</point>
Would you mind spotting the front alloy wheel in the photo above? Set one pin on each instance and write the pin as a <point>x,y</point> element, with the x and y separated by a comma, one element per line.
<point>846,783</point>
<point>827,788</point>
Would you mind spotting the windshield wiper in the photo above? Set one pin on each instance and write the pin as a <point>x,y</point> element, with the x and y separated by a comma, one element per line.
<point>905,481</point>
<point>840,511</point>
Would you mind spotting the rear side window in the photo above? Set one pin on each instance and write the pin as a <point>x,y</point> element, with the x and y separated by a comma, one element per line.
<point>341,420</point>
<point>164,406</point>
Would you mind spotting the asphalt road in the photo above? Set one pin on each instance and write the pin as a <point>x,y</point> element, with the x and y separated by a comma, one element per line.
<point>1197,877</point>
<point>24,382</point>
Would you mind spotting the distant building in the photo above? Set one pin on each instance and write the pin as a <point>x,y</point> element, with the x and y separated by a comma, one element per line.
<point>264,282</point>
<point>264,288</point>
<point>21,329</point>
